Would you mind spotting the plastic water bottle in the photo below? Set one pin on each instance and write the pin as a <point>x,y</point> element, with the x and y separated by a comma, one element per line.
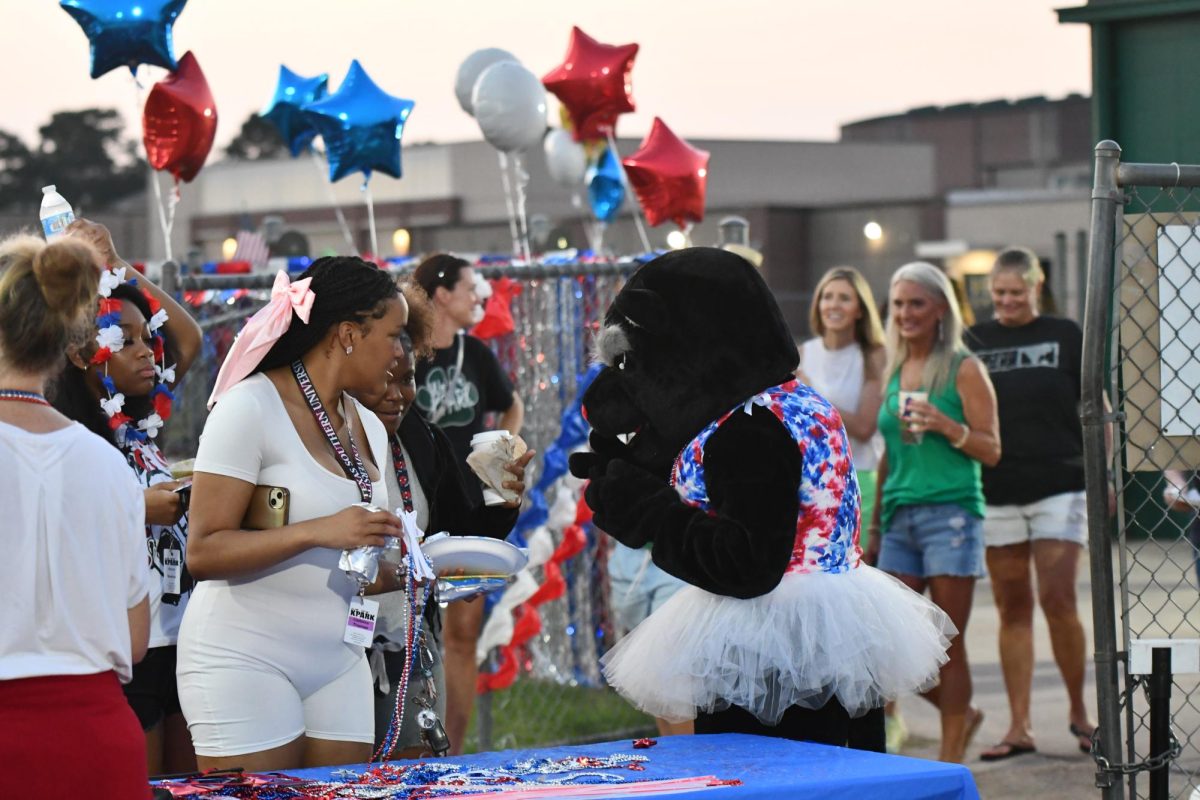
<point>56,214</point>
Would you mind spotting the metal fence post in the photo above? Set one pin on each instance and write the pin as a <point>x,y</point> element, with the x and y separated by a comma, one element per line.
<point>169,280</point>
<point>1105,198</point>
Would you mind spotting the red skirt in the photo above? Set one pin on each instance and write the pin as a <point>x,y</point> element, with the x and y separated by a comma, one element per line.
<point>66,736</point>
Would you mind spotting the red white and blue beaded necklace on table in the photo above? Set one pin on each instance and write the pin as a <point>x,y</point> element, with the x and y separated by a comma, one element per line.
<point>22,396</point>
<point>110,339</point>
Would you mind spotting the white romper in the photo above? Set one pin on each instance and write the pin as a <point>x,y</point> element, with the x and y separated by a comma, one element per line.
<point>261,659</point>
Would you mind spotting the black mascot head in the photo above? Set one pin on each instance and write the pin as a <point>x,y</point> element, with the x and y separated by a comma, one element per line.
<point>691,334</point>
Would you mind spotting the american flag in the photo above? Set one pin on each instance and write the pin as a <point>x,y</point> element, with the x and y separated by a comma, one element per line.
<point>251,247</point>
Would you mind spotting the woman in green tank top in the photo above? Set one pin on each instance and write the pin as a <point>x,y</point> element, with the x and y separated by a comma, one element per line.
<point>939,424</point>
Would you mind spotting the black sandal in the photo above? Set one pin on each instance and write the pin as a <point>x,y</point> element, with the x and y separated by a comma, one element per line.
<point>1014,749</point>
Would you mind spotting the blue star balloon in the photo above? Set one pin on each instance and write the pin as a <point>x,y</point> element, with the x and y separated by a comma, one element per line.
<point>292,93</point>
<point>125,33</point>
<point>361,125</point>
<point>606,191</point>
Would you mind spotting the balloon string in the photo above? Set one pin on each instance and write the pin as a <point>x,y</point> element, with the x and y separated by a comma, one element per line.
<point>522,180</point>
<point>597,229</point>
<point>637,204</point>
<point>508,202</point>
<point>164,223</point>
<point>337,209</point>
<point>366,187</point>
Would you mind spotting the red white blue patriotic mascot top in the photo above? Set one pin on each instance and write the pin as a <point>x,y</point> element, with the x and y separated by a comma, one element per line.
<point>740,481</point>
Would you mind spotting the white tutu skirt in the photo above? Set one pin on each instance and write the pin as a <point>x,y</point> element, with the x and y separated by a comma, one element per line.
<point>860,636</point>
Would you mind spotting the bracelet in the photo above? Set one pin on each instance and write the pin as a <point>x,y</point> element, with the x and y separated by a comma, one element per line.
<point>962,440</point>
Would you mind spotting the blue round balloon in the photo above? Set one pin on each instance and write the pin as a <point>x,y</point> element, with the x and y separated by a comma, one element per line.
<point>126,33</point>
<point>606,190</point>
<point>292,93</point>
<point>361,125</point>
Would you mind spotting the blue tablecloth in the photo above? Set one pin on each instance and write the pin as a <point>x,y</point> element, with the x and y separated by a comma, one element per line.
<point>768,768</point>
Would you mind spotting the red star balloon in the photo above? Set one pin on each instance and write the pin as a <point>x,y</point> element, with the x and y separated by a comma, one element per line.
<point>180,121</point>
<point>669,176</point>
<point>593,82</point>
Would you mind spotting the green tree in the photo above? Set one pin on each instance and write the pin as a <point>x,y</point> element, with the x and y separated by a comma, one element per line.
<point>18,191</point>
<point>86,156</point>
<point>258,139</point>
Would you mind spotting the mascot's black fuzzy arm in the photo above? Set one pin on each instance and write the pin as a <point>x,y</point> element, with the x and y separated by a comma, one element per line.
<point>690,336</point>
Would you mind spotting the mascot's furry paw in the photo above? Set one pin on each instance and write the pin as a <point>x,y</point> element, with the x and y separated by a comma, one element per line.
<point>624,498</point>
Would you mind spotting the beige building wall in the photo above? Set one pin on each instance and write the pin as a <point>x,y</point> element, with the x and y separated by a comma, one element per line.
<point>1053,224</point>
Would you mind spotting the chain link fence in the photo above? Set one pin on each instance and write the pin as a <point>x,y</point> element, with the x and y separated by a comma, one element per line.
<point>558,696</point>
<point>1142,352</point>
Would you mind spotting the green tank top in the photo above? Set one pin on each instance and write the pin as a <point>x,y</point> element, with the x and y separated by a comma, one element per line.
<point>932,472</point>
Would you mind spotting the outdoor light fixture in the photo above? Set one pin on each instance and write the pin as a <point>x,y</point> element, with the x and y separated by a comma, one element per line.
<point>229,249</point>
<point>401,241</point>
<point>873,231</point>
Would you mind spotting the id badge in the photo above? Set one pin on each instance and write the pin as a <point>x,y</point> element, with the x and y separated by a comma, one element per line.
<point>172,560</point>
<point>360,622</point>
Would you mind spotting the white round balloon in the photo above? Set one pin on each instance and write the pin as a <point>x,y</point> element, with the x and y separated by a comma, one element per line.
<point>565,158</point>
<point>470,70</point>
<point>510,106</point>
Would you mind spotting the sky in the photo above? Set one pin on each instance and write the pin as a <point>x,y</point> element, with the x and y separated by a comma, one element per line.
<point>750,69</point>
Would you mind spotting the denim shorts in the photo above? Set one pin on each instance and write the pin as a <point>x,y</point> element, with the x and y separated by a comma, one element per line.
<point>928,540</point>
<point>638,587</point>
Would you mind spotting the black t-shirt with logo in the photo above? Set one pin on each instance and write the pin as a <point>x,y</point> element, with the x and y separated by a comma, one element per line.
<point>1036,371</point>
<point>457,401</point>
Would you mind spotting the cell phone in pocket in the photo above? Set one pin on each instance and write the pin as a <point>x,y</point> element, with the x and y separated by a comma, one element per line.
<point>268,508</point>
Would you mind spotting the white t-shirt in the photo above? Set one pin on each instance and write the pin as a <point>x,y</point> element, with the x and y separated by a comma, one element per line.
<point>838,376</point>
<point>74,554</point>
<point>150,468</point>
<point>291,616</point>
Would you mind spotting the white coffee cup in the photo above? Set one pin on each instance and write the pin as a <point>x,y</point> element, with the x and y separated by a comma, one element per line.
<point>906,399</point>
<point>486,441</point>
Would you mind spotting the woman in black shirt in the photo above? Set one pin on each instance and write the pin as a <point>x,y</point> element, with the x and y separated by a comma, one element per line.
<point>1035,494</point>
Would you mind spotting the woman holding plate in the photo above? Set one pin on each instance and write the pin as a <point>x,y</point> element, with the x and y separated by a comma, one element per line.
<point>271,672</point>
<point>428,479</point>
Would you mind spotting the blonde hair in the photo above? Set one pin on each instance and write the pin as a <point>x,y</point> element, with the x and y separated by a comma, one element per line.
<point>948,345</point>
<point>1022,261</point>
<point>1025,263</point>
<point>868,331</point>
<point>44,290</point>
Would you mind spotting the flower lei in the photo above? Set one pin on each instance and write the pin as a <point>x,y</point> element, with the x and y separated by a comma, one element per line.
<point>110,339</point>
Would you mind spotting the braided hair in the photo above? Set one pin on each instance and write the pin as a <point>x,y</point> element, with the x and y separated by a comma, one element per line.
<point>347,289</point>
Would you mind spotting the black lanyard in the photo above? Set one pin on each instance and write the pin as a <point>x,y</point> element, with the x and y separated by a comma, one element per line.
<point>354,468</point>
<point>402,473</point>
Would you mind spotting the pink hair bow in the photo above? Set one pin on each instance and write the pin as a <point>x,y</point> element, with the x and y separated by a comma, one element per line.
<point>263,330</point>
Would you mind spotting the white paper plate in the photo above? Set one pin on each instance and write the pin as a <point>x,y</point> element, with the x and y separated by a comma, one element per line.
<point>451,589</point>
<point>474,555</point>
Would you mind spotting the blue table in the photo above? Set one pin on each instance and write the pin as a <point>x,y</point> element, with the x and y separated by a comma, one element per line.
<point>768,768</point>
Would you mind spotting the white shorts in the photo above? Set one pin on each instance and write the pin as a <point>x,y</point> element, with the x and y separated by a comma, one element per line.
<point>1059,516</point>
<point>233,708</point>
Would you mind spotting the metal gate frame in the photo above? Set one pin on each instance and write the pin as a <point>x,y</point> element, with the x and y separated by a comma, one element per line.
<point>1115,748</point>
